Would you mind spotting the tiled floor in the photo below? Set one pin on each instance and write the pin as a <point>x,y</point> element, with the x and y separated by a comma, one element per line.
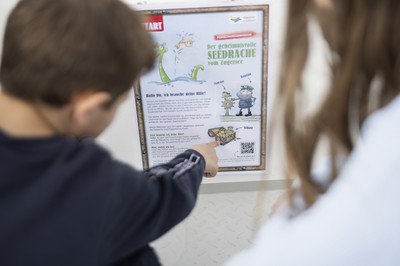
<point>221,225</point>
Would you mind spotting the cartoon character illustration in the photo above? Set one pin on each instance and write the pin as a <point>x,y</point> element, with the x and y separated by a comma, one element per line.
<point>222,134</point>
<point>246,99</point>
<point>184,41</point>
<point>227,103</point>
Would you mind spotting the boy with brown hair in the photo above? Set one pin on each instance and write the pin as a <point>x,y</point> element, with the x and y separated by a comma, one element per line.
<point>66,67</point>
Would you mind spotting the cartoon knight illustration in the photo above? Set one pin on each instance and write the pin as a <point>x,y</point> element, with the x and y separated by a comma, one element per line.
<point>246,99</point>
<point>227,103</point>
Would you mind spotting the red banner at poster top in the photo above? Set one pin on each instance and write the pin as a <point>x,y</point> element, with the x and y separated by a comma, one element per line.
<point>154,23</point>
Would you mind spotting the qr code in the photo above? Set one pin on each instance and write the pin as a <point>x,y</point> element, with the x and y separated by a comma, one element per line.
<point>247,147</point>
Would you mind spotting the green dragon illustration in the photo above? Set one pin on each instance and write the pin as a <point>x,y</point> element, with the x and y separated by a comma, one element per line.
<point>195,71</point>
<point>160,52</point>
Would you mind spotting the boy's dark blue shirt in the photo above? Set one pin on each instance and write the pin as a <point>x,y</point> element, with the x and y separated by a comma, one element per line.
<point>67,202</point>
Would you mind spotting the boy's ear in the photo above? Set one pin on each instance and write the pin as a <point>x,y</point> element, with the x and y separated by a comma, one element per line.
<point>87,106</point>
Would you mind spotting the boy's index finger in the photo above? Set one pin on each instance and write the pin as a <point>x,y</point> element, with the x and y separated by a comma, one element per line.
<point>214,144</point>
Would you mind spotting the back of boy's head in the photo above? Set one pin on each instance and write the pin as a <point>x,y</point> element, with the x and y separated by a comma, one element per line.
<point>54,49</point>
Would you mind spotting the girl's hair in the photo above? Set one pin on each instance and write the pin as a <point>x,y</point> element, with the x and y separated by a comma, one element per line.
<point>365,76</point>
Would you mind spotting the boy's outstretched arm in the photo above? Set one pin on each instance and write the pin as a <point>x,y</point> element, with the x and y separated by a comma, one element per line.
<point>145,205</point>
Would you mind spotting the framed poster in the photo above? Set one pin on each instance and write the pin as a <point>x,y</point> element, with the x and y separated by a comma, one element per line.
<point>209,83</point>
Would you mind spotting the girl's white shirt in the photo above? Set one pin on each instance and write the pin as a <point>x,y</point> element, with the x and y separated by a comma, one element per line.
<point>357,222</point>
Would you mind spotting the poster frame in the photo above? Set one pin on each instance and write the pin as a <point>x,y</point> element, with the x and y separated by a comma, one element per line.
<point>265,8</point>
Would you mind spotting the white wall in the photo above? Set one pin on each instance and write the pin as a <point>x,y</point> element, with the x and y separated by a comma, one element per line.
<point>126,147</point>
<point>5,7</point>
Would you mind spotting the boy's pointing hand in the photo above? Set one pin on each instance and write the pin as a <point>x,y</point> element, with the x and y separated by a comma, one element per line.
<point>209,154</point>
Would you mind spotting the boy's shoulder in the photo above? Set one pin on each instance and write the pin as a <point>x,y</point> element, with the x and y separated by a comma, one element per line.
<point>59,157</point>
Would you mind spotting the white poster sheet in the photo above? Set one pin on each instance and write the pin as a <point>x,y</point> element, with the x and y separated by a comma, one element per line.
<point>209,83</point>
